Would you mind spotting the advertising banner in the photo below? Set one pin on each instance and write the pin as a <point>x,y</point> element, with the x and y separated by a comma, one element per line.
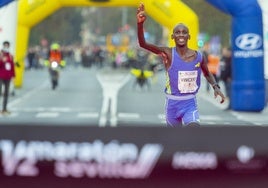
<point>79,156</point>
<point>248,83</point>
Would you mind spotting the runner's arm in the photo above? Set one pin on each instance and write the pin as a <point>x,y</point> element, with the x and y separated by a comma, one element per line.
<point>164,52</point>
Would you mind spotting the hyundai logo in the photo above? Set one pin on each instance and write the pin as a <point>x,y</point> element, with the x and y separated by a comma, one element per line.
<point>248,41</point>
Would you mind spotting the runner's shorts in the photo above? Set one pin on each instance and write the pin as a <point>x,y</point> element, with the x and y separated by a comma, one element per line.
<point>181,110</point>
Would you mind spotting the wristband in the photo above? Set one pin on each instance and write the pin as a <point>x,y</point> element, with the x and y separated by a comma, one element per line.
<point>215,85</point>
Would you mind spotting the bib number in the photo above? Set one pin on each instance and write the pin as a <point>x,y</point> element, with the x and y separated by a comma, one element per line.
<point>187,81</point>
<point>8,66</point>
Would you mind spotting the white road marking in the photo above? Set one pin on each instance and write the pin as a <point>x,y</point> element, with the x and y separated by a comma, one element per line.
<point>161,116</point>
<point>28,94</point>
<point>42,109</point>
<point>111,84</point>
<point>88,115</point>
<point>60,109</point>
<point>250,117</point>
<point>128,115</point>
<point>11,115</point>
<point>47,115</point>
<point>211,117</point>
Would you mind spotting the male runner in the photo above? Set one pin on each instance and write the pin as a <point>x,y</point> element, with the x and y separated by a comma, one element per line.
<point>183,72</point>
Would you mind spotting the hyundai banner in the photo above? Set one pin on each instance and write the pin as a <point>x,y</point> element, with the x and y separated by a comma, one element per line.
<point>248,83</point>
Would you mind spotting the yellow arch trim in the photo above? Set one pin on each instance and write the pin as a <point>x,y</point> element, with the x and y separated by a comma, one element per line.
<point>166,12</point>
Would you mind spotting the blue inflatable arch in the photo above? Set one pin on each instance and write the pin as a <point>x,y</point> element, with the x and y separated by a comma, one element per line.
<point>5,2</point>
<point>248,81</point>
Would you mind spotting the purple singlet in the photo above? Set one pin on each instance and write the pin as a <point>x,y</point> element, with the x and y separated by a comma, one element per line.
<point>182,83</point>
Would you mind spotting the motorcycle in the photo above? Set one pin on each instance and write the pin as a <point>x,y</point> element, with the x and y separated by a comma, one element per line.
<point>54,67</point>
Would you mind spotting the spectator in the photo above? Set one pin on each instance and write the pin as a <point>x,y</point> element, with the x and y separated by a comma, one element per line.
<point>7,72</point>
<point>226,72</point>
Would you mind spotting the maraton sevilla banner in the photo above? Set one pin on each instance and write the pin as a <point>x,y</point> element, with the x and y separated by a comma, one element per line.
<point>156,157</point>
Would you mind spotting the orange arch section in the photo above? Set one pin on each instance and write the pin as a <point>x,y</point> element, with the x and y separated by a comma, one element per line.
<point>166,12</point>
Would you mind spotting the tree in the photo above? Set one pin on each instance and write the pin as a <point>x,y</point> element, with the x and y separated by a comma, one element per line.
<point>211,20</point>
<point>63,26</point>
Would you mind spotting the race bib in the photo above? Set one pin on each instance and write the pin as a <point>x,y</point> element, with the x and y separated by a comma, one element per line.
<point>187,81</point>
<point>7,66</point>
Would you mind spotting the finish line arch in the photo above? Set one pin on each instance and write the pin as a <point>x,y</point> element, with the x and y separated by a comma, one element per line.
<point>248,83</point>
<point>32,12</point>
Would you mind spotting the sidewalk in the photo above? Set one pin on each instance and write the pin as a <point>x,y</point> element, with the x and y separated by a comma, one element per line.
<point>29,82</point>
<point>256,118</point>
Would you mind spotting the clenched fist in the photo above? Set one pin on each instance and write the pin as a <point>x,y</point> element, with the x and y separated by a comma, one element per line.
<point>141,14</point>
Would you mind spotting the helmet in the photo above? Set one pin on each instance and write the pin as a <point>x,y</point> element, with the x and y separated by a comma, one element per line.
<point>55,46</point>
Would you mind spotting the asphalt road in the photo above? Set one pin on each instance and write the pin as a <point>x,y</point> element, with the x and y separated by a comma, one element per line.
<point>107,97</point>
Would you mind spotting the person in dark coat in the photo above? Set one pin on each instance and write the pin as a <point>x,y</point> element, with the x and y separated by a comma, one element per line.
<point>226,71</point>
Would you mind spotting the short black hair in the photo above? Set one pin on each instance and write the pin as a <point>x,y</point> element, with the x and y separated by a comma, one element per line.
<point>6,43</point>
<point>181,25</point>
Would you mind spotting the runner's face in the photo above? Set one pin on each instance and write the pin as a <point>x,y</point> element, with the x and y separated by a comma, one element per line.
<point>180,35</point>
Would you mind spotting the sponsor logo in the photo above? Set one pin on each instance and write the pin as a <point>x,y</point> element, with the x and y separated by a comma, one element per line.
<point>78,160</point>
<point>246,161</point>
<point>194,160</point>
<point>197,65</point>
<point>249,43</point>
<point>245,154</point>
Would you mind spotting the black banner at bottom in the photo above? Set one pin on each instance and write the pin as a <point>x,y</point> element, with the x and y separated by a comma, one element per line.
<point>79,156</point>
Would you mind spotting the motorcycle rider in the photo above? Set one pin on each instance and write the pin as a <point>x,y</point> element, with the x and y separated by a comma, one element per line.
<point>55,61</point>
